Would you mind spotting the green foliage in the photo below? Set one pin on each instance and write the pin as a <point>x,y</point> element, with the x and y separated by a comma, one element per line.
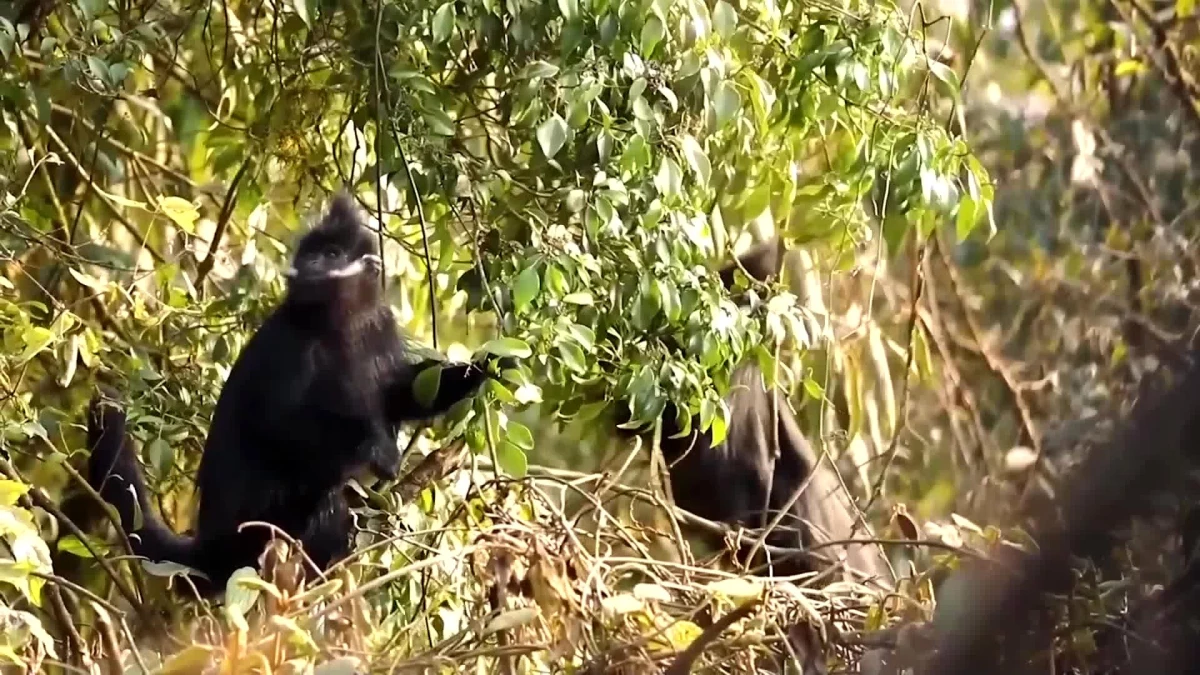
<point>669,128</point>
<point>573,169</point>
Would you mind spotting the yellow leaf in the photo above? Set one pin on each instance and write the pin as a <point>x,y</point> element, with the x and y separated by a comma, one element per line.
<point>86,279</point>
<point>131,203</point>
<point>11,491</point>
<point>1129,68</point>
<point>512,619</point>
<point>36,339</point>
<point>181,211</point>
<point>736,588</point>
<point>651,592</point>
<point>621,604</point>
<point>681,634</point>
<point>296,636</point>
<point>964,524</point>
<point>193,659</point>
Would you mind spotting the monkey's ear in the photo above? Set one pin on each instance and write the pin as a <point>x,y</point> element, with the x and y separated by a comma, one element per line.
<point>762,262</point>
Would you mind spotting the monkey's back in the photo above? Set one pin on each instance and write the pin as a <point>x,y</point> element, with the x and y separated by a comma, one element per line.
<point>729,482</point>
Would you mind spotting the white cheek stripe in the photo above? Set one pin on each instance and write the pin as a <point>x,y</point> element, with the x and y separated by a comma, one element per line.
<point>356,267</point>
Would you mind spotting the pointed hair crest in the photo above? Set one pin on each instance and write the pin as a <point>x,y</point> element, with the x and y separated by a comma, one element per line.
<point>343,214</point>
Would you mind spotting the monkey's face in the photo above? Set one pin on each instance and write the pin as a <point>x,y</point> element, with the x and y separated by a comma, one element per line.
<point>339,268</point>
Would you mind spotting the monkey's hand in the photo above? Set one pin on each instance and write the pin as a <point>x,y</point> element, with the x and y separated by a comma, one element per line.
<point>386,467</point>
<point>493,365</point>
<point>381,455</point>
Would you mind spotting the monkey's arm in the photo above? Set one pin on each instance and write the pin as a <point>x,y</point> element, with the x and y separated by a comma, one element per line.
<point>456,382</point>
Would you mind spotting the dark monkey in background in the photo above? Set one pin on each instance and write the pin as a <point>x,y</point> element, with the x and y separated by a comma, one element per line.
<point>317,395</point>
<point>763,460</point>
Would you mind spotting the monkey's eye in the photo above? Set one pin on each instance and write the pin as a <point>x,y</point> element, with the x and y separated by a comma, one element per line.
<point>330,253</point>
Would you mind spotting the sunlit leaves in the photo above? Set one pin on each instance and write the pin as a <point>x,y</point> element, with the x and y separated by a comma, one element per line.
<point>528,284</point>
<point>36,339</point>
<point>572,356</point>
<point>726,103</point>
<point>510,450</point>
<point>551,135</point>
<point>181,211</point>
<point>697,159</point>
<point>724,19</point>
<point>945,75</point>
<point>27,552</point>
<point>8,38</point>
<point>615,154</point>
<point>538,70</point>
<point>443,22</point>
<point>439,122</point>
<point>11,491</point>
<point>652,33</point>
<point>507,346</point>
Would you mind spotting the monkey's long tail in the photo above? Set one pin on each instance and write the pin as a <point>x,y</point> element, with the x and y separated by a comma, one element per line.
<point>114,473</point>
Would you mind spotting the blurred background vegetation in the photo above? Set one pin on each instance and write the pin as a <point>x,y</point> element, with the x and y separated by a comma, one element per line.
<point>990,207</point>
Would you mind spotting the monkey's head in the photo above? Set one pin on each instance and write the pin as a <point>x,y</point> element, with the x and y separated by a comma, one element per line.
<point>762,262</point>
<point>337,263</point>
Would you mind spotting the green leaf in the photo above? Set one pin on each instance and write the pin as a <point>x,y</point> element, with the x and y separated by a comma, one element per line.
<point>585,336</point>
<point>813,389</point>
<point>302,10</point>
<point>72,544</point>
<point>519,435</point>
<point>581,298</point>
<point>36,339</point>
<point>98,68</point>
<point>538,70</point>
<point>501,392</point>
<point>507,346</point>
<point>8,38</point>
<point>719,428</point>
<point>161,455</point>
<point>708,411</point>
<point>968,215</point>
<point>946,75</point>
<point>240,596</point>
<point>528,284</point>
<point>551,135</point>
<point>576,200</point>
<point>426,384</point>
<point>697,160</point>
<point>439,122</point>
<point>512,459</point>
<point>443,23</point>
<point>604,146</point>
<point>590,411</point>
<point>642,109</point>
<point>726,103</point>
<point>725,19</point>
<point>1185,8</point>
<point>668,179</point>
<point>572,355</point>
<point>758,200</point>
<point>652,34</point>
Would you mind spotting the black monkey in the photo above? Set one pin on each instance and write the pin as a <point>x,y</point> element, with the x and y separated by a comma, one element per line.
<point>317,395</point>
<point>732,481</point>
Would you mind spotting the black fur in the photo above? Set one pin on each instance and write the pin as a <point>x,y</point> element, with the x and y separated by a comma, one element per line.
<point>317,395</point>
<point>729,482</point>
